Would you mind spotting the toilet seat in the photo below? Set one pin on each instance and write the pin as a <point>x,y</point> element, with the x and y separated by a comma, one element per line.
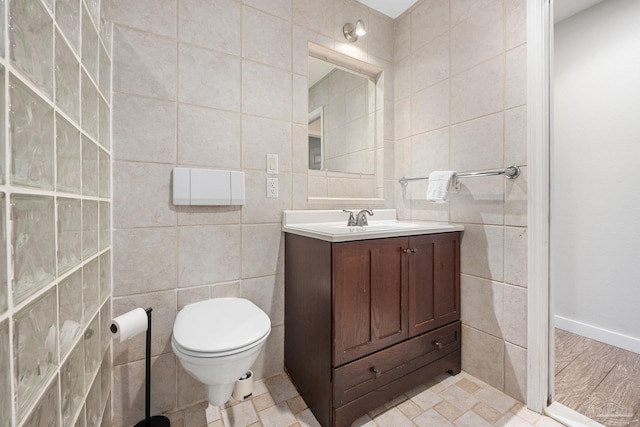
<point>219,327</point>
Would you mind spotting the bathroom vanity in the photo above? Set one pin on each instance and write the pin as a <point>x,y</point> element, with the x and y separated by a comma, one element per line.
<point>370,312</point>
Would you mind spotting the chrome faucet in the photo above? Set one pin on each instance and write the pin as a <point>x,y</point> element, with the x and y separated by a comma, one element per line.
<point>361,217</point>
<point>351,221</point>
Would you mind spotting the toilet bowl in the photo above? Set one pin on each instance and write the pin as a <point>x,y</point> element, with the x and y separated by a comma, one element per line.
<point>218,340</point>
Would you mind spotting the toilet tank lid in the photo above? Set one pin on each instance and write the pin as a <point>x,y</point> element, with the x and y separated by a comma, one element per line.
<point>220,324</point>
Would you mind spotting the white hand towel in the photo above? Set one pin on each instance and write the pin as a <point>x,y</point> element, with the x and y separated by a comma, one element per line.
<point>441,183</point>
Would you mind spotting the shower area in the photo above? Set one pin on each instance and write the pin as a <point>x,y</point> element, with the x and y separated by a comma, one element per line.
<point>595,206</point>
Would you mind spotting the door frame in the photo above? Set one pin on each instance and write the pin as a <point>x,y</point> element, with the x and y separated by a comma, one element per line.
<point>539,354</point>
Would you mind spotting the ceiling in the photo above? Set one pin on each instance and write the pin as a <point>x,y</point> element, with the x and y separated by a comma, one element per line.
<point>392,8</point>
<point>563,9</point>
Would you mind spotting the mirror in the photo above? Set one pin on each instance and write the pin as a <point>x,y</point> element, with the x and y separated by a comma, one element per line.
<point>344,132</point>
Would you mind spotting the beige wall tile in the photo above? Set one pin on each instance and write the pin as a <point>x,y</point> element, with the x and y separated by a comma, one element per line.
<point>429,152</point>
<point>481,251</point>
<point>515,315</point>
<point>221,290</point>
<point>189,390</point>
<point>206,254</point>
<point>430,63</point>
<point>128,389</point>
<point>267,293</point>
<point>429,20</point>
<point>266,38</point>
<point>162,317</point>
<point>141,195</point>
<point>380,35</point>
<point>515,372</point>
<point>482,356</point>
<point>480,201</point>
<point>515,136</point>
<point>515,23</point>
<point>261,136</point>
<point>138,266</point>
<point>281,8</point>
<point>192,295</point>
<point>208,137</point>
<point>144,129</point>
<point>402,118</point>
<point>204,215</point>
<point>430,108</point>
<point>135,14</point>
<point>516,77</point>
<point>482,304</point>
<point>402,36</point>
<point>315,15</point>
<point>464,9</point>
<point>144,64</point>
<point>271,359</point>
<point>300,46</point>
<point>478,91</point>
<point>260,209</point>
<point>515,256</point>
<point>300,103</point>
<point>208,78</point>
<point>478,38</point>
<point>210,24</point>
<point>262,250</point>
<point>266,91</point>
<point>477,144</point>
<point>300,149</point>
<point>515,200</point>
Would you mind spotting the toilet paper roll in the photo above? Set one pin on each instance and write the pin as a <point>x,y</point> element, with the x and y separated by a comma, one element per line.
<point>129,324</point>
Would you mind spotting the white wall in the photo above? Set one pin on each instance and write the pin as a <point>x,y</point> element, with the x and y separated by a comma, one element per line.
<point>595,202</point>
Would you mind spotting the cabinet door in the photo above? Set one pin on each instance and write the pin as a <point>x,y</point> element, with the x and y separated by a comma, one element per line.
<point>369,297</point>
<point>434,281</point>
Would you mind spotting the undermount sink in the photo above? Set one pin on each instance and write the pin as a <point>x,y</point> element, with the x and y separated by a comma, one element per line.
<point>324,225</point>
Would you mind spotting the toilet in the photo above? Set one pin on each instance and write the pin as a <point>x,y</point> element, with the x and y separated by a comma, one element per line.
<point>218,340</point>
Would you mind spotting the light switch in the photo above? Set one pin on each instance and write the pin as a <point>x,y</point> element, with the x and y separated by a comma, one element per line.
<point>181,186</point>
<point>272,163</point>
<point>210,187</point>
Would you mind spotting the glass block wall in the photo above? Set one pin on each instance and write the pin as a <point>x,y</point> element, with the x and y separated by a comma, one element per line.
<point>55,207</point>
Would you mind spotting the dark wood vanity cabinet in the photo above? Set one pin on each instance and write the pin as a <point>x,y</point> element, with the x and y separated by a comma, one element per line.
<point>368,320</point>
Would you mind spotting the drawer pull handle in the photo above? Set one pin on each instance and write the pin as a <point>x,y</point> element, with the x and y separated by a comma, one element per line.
<point>438,344</point>
<point>376,371</point>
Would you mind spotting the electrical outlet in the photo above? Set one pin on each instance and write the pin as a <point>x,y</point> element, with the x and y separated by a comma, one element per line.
<point>272,188</point>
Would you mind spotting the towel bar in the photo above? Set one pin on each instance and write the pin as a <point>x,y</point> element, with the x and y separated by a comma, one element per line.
<point>511,172</point>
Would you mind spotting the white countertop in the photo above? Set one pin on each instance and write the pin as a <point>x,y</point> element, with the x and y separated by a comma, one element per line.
<point>331,225</point>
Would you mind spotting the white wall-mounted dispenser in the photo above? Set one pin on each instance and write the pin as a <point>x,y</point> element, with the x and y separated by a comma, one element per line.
<point>207,187</point>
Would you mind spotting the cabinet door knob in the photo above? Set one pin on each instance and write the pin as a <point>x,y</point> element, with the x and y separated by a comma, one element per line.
<point>414,250</point>
<point>407,251</point>
<point>438,344</point>
<point>375,371</point>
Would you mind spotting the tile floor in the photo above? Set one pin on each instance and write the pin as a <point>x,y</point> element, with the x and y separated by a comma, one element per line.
<point>462,401</point>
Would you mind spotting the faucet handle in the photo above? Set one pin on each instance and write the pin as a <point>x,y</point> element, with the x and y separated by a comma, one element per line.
<point>351,221</point>
<point>361,218</point>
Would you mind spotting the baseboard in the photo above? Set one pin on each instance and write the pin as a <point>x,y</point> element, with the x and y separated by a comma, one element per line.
<point>595,333</point>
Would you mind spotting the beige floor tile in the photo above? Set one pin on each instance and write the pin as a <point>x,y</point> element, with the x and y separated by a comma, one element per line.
<point>280,388</point>
<point>526,414</point>
<point>487,412</point>
<point>296,405</point>
<point>511,420</point>
<point>431,418</point>
<point>277,416</point>
<point>263,401</point>
<point>447,410</point>
<point>459,398</point>
<point>426,399</point>
<point>241,414</point>
<point>471,419</point>
<point>495,399</point>
<point>410,409</point>
<point>547,422</point>
<point>364,421</point>
<point>306,419</point>
<point>218,423</point>
<point>393,417</point>
<point>468,385</point>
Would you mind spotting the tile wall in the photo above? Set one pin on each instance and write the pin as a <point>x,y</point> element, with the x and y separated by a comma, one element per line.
<point>55,204</point>
<point>460,104</point>
<point>216,83</point>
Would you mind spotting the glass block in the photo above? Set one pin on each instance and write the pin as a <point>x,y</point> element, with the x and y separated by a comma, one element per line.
<point>89,107</point>
<point>92,356</point>
<point>68,156</point>
<point>105,174</point>
<point>70,306</point>
<point>67,72</point>
<point>72,384</point>
<point>4,284</point>
<point>104,124</point>
<point>5,378</point>
<point>90,46</point>
<point>69,234</point>
<point>45,413</point>
<point>105,74</point>
<point>105,381</point>
<point>90,288</point>
<point>89,167</point>
<point>105,320</point>
<point>68,19</point>
<point>105,275</point>
<point>2,107</point>
<point>33,244</point>
<point>31,138</point>
<point>105,226</point>
<point>94,411</point>
<point>89,228</point>
<point>31,42</point>
<point>35,348</point>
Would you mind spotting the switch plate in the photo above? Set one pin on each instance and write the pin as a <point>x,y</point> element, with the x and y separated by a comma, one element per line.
<point>272,188</point>
<point>272,163</point>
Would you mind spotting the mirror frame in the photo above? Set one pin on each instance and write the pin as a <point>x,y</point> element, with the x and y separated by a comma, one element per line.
<point>376,74</point>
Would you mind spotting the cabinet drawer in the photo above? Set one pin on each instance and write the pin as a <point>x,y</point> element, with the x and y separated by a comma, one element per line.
<point>357,378</point>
